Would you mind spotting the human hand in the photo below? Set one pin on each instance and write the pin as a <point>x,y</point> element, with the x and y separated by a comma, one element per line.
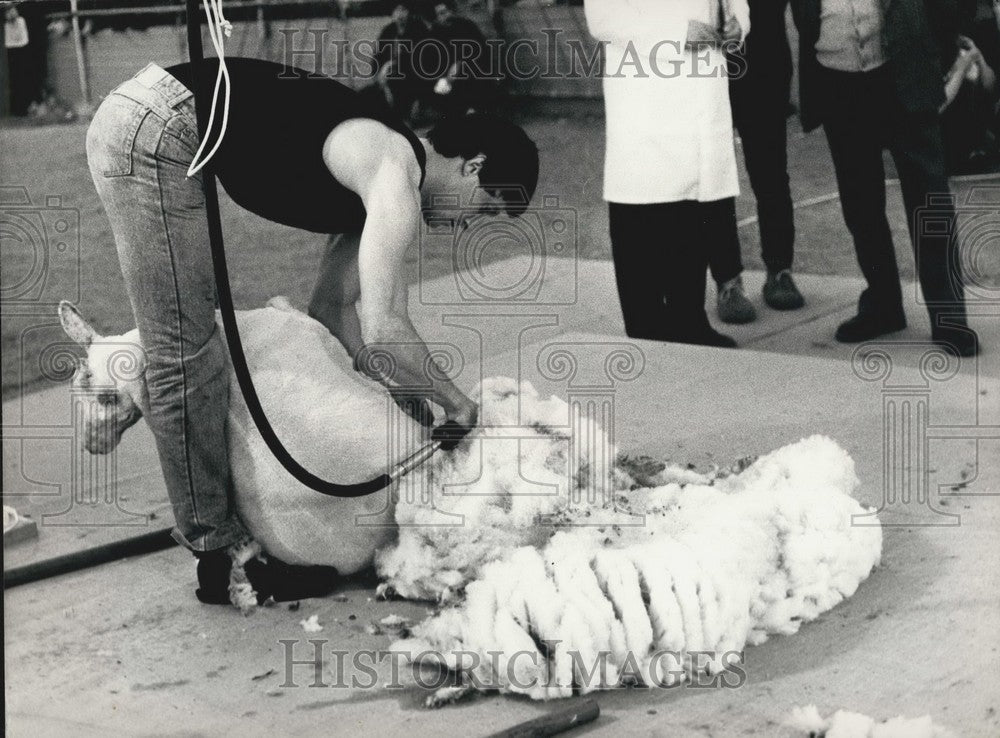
<point>418,408</point>
<point>967,45</point>
<point>461,421</point>
<point>732,31</point>
<point>466,414</point>
<point>702,34</point>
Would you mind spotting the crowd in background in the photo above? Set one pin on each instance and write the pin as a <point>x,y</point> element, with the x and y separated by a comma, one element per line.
<point>430,58</point>
<point>916,77</point>
<point>911,76</point>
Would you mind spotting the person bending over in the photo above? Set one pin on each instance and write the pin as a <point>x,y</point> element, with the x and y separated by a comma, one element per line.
<point>301,150</point>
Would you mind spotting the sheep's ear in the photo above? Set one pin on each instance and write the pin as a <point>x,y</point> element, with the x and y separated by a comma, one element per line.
<point>74,324</point>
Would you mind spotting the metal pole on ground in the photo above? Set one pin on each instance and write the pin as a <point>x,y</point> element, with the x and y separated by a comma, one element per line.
<point>140,545</point>
<point>558,721</point>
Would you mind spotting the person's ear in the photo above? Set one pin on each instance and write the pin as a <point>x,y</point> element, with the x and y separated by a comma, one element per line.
<point>472,166</point>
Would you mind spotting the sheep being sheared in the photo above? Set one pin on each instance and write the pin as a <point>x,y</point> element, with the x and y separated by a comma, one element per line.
<point>719,561</point>
<point>520,465</point>
<point>328,416</point>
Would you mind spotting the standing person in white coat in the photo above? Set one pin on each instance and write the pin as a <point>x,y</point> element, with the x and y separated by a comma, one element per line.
<point>670,175</point>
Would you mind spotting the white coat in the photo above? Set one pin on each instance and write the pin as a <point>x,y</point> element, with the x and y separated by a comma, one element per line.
<point>669,123</point>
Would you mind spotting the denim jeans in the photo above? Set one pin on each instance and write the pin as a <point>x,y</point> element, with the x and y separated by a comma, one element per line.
<point>139,145</point>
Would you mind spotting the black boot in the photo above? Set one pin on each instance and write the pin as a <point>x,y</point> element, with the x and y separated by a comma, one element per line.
<point>879,312</point>
<point>956,340</point>
<point>286,582</point>
<point>213,577</point>
<point>698,331</point>
<point>269,577</point>
<point>868,325</point>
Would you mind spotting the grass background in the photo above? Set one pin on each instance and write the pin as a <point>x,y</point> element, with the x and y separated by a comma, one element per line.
<point>267,259</point>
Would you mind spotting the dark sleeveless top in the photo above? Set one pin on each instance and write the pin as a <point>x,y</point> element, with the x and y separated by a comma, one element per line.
<point>271,158</point>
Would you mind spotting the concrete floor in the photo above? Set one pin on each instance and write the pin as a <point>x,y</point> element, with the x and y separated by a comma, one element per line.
<point>126,649</point>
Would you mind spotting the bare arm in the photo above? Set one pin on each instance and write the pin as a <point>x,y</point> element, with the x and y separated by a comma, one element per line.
<point>386,181</point>
<point>393,216</point>
<point>337,290</point>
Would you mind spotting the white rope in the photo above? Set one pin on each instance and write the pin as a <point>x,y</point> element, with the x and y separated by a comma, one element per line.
<point>217,26</point>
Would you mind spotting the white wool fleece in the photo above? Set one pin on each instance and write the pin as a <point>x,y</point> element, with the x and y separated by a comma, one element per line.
<point>846,724</point>
<point>719,563</point>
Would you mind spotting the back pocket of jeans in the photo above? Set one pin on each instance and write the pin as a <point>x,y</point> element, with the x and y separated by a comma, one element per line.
<point>112,133</point>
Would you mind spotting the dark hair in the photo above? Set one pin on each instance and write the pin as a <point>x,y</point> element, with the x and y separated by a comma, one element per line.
<point>511,166</point>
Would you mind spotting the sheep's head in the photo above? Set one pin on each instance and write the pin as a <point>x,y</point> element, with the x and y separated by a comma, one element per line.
<point>111,380</point>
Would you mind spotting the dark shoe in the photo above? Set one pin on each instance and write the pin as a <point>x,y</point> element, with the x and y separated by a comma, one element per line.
<point>780,292</point>
<point>269,577</point>
<point>962,342</point>
<point>712,337</point>
<point>732,303</point>
<point>702,336</point>
<point>866,326</point>
<point>213,577</point>
<point>285,582</point>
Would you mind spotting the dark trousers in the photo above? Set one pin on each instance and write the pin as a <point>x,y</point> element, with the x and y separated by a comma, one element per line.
<point>759,98</point>
<point>866,118</point>
<point>967,125</point>
<point>661,255</point>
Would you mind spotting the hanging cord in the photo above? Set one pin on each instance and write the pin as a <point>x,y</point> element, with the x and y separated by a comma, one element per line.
<point>445,436</point>
<point>217,26</point>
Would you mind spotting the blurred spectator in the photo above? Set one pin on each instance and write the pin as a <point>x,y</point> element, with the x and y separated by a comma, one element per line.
<point>466,84</point>
<point>670,175</point>
<point>759,94</point>
<point>15,29</point>
<point>397,80</point>
<point>969,116</point>
<point>25,85</point>
<point>871,75</point>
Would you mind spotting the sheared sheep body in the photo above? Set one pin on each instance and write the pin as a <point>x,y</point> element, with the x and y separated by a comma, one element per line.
<point>332,421</point>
